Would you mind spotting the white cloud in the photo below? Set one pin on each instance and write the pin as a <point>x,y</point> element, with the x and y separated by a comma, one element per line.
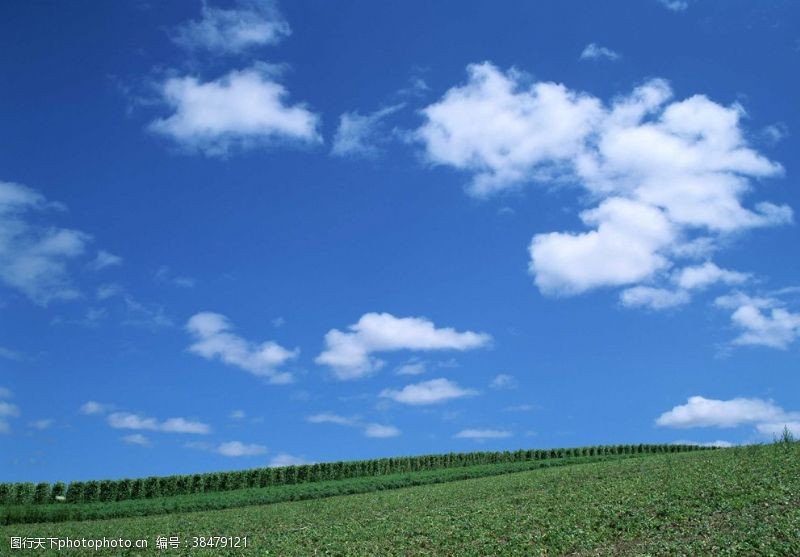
<point>626,247</point>
<point>243,109</point>
<point>720,444</point>
<point>762,321</point>
<point>126,420</point>
<point>328,418</point>
<point>106,291</point>
<point>381,431</point>
<point>42,424</point>
<point>594,51</point>
<point>704,412</point>
<point>34,257</point>
<point>669,176</point>
<point>93,407</point>
<point>360,135</point>
<point>483,434</point>
<point>284,459</point>
<point>427,392</point>
<point>349,353</point>
<point>504,381</point>
<point>775,429</point>
<point>653,298</point>
<point>369,429</point>
<point>706,274</point>
<point>251,23</point>
<point>412,367</point>
<point>104,260</point>
<point>214,339</point>
<point>164,274</point>
<point>774,133</point>
<point>137,439</point>
<point>503,133</point>
<point>674,5</point>
<point>237,448</point>
<point>7,410</point>
<point>182,425</point>
<point>238,415</point>
<point>685,280</point>
<point>5,393</point>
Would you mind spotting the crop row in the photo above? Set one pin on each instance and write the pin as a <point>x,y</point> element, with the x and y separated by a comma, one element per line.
<point>25,514</point>
<point>153,487</point>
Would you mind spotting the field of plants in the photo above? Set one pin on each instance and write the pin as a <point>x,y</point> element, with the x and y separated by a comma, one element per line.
<point>741,501</point>
<point>93,491</point>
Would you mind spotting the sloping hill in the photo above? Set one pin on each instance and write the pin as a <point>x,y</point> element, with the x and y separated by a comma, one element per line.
<point>742,501</point>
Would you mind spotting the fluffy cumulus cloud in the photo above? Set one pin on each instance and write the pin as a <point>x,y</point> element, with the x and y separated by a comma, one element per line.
<point>594,51</point>
<point>127,420</point>
<point>427,392</point>
<point>360,135</point>
<point>214,339</point>
<point>242,109</point>
<point>707,274</point>
<point>349,354</point>
<point>767,417</point>
<point>237,448</point>
<point>503,134</point>
<point>34,256</point>
<point>482,434</point>
<point>762,321</point>
<point>248,24</point>
<point>625,247</point>
<point>669,178</point>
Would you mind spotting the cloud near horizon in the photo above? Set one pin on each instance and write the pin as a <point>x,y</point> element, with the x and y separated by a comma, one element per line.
<point>767,417</point>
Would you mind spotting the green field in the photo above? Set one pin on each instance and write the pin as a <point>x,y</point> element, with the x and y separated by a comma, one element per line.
<point>742,501</point>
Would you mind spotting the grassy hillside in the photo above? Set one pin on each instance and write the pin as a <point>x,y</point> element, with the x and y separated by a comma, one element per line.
<point>743,501</point>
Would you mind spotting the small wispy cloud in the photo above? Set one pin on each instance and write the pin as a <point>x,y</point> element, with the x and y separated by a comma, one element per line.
<point>594,51</point>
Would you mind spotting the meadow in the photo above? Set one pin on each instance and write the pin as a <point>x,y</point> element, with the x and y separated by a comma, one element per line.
<point>739,501</point>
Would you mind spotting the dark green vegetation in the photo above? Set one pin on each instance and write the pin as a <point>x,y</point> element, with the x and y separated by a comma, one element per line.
<point>60,512</point>
<point>738,501</point>
<point>741,501</point>
<point>153,487</point>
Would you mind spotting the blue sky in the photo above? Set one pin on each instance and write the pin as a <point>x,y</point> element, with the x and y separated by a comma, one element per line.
<point>238,234</point>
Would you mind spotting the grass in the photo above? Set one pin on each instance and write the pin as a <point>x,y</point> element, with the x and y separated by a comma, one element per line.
<point>62,512</point>
<point>742,501</point>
